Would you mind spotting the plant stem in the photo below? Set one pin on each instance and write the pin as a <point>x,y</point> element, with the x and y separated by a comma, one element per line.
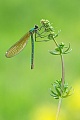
<point>63,80</point>
<point>56,42</point>
<point>62,63</point>
<point>63,71</point>
<point>58,110</point>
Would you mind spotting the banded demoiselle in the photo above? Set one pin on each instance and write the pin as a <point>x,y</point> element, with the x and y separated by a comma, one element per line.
<point>18,46</point>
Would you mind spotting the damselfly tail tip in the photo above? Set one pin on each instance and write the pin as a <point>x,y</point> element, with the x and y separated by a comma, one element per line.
<point>32,66</point>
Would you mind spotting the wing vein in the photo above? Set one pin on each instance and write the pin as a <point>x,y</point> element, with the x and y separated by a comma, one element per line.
<point>18,46</point>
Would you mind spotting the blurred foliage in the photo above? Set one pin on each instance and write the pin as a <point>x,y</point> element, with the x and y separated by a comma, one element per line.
<point>22,89</point>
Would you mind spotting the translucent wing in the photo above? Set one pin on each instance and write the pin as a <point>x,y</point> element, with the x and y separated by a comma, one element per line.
<point>18,46</point>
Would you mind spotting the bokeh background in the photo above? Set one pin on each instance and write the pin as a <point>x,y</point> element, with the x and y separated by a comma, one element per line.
<point>25,93</point>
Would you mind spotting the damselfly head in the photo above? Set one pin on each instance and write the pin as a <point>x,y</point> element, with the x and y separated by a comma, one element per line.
<point>36,27</point>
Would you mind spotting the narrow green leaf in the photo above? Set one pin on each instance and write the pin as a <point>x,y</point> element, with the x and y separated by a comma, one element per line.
<point>59,92</point>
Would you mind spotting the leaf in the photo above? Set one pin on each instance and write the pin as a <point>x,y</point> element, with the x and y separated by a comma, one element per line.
<point>57,90</point>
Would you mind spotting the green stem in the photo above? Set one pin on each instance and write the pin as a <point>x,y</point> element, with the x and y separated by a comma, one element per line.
<point>62,63</point>
<point>63,71</point>
<point>58,110</point>
<point>56,42</point>
<point>63,80</point>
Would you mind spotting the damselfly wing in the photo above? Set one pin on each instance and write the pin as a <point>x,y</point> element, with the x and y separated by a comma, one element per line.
<point>18,46</point>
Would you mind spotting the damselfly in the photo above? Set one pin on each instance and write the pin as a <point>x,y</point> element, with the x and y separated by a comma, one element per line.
<point>18,46</point>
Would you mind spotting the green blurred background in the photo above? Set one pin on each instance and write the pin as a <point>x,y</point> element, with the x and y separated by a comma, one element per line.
<point>24,93</point>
